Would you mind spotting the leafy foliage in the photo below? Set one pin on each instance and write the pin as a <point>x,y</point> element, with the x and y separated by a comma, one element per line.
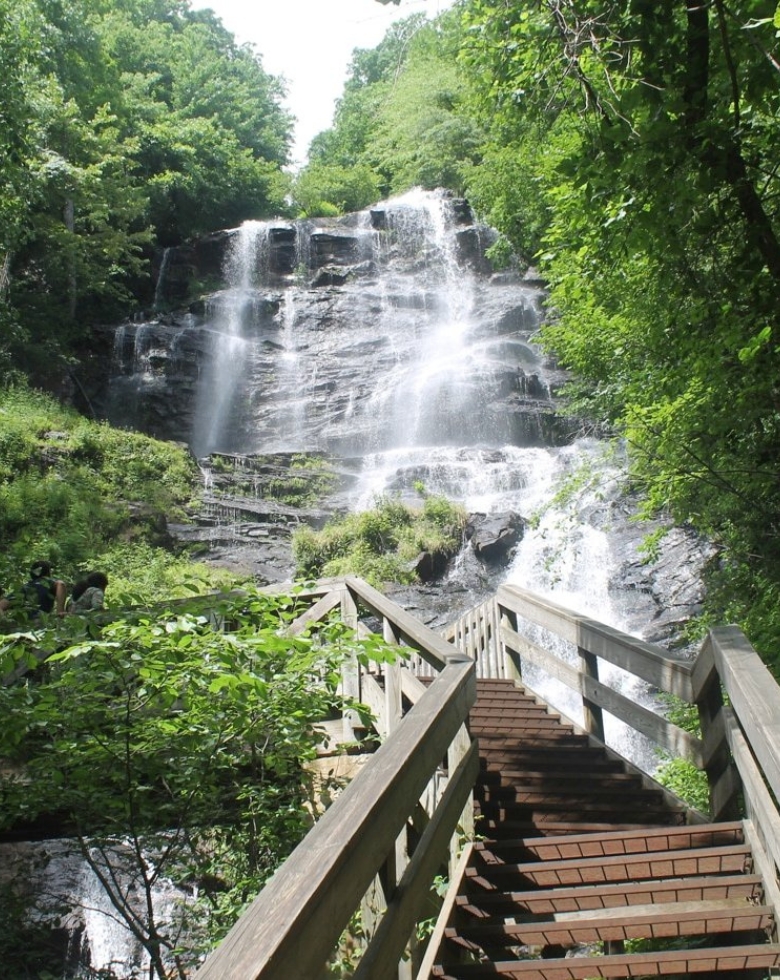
<point>124,124</point>
<point>398,124</point>
<point>200,736</point>
<point>631,147</point>
<point>381,545</point>
<point>69,488</point>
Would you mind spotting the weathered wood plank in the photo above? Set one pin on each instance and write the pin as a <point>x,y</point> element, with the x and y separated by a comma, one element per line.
<point>411,686</point>
<point>314,613</point>
<point>322,882</point>
<point>592,712</point>
<point>754,696</point>
<point>537,655</point>
<point>371,694</point>
<point>380,962</point>
<point>320,587</point>
<point>636,716</point>
<point>646,660</point>
<point>432,647</point>
<point>762,809</point>
<point>664,963</point>
<point>765,865</point>
<point>447,910</point>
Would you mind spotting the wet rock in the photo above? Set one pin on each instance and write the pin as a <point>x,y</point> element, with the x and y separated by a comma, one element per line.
<point>493,536</point>
<point>430,565</point>
<point>330,277</point>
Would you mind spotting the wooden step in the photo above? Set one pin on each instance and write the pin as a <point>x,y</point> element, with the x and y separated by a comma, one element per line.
<point>637,842</point>
<point>590,845</point>
<point>518,721</point>
<point>625,867</point>
<point>485,708</point>
<point>482,904</point>
<point>494,815</point>
<point>670,921</point>
<point>661,964</point>
<point>541,758</point>
<point>574,777</point>
<point>556,825</point>
<point>625,796</point>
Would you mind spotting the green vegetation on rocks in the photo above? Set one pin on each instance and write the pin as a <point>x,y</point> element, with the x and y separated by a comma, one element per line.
<point>84,495</point>
<point>383,544</point>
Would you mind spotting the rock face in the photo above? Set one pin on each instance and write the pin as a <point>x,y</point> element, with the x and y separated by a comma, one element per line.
<point>318,339</point>
<point>384,344</point>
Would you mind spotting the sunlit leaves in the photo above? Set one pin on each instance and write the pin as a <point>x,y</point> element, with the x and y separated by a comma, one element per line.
<point>184,742</point>
<point>637,141</point>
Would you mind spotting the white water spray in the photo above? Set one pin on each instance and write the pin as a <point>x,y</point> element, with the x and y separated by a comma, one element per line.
<point>229,315</point>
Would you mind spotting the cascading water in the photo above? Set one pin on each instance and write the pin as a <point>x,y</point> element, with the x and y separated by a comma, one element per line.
<point>385,342</point>
<point>230,315</point>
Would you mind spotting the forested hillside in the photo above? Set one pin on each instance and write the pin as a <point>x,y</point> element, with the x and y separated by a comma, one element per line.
<point>627,150</point>
<point>125,125</point>
<point>630,150</point>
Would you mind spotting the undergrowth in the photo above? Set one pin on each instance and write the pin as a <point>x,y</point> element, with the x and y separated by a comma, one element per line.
<point>382,544</point>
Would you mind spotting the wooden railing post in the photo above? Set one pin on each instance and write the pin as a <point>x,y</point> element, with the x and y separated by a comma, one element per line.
<point>457,752</point>
<point>350,671</point>
<point>393,690</point>
<point>593,716</point>
<point>398,859</point>
<point>512,663</point>
<point>722,777</point>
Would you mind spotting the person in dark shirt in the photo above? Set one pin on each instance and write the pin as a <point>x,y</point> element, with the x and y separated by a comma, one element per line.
<point>41,594</point>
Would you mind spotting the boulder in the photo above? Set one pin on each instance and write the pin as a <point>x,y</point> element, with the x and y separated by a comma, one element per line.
<point>493,536</point>
<point>430,565</point>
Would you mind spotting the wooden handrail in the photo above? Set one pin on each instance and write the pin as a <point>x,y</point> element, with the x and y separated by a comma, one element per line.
<point>646,660</point>
<point>501,648</point>
<point>317,890</point>
<point>322,884</point>
<point>740,745</point>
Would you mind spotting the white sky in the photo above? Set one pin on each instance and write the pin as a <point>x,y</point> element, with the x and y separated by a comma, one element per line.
<point>310,43</point>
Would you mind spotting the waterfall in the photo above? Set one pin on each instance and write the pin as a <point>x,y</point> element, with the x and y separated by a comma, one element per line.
<point>384,342</point>
<point>230,316</point>
<point>70,896</point>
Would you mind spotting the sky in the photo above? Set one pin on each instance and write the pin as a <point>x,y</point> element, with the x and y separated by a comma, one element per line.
<point>310,43</point>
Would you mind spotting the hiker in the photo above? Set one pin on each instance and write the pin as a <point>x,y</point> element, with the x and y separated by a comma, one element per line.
<point>41,594</point>
<point>88,593</point>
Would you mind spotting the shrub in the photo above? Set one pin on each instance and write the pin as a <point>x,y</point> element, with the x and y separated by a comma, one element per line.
<point>381,544</point>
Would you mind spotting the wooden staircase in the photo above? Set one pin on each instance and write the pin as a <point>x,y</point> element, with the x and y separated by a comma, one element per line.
<point>581,866</point>
<point>586,869</point>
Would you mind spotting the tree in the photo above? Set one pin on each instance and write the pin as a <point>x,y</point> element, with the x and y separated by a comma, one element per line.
<point>658,179</point>
<point>199,737</point>
<point>400,115</point>
<point>328,188</point>
<point>124,124</point>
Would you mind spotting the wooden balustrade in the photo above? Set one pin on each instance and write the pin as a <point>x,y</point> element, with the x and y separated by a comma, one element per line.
<point>360,843</point>
<point>358,854</point>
